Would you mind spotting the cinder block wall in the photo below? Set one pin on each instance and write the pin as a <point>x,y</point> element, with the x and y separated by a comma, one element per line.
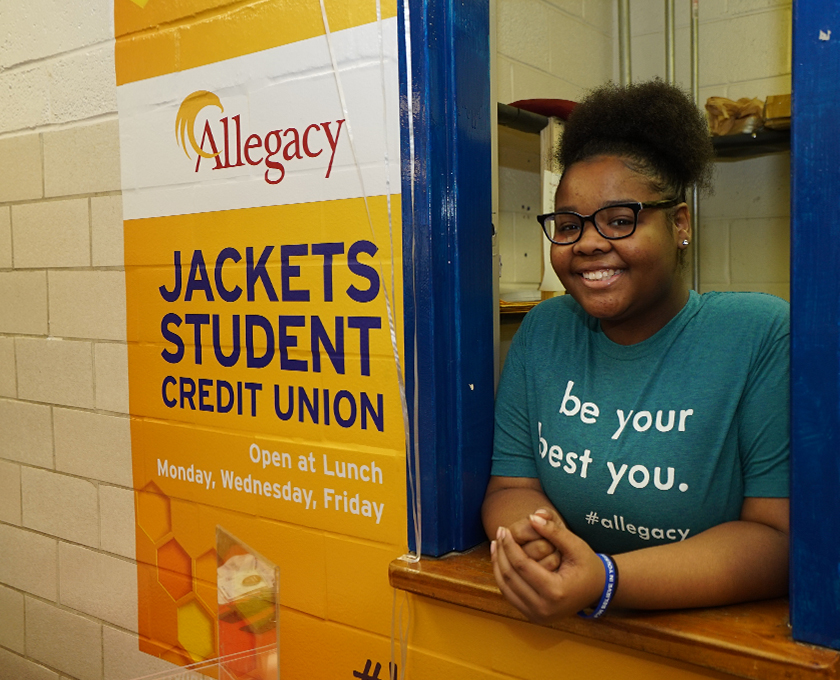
<point>68,595</point>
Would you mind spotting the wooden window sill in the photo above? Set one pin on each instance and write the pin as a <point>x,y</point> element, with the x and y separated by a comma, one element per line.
<point>749,640</point>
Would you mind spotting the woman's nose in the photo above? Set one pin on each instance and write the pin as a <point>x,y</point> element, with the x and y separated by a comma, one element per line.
<point>591,239</point>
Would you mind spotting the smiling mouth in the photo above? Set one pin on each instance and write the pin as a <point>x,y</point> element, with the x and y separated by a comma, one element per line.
<point>601,274</point>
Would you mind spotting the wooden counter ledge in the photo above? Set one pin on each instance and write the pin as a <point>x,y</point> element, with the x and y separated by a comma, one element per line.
<point>749,640</point>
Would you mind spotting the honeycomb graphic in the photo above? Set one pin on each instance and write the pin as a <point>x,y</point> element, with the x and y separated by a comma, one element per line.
<point>195,629</point>
<point>174,569</point>
<point>181,628</point>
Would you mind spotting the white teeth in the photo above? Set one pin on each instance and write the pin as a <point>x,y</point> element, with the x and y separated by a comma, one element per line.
<point>599,275</point>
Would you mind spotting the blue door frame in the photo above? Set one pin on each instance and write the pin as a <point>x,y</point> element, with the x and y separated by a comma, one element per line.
<point>447,249</point>
<point>815,325</point>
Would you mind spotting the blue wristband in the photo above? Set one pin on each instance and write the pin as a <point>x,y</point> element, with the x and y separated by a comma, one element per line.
<point>610,586</point>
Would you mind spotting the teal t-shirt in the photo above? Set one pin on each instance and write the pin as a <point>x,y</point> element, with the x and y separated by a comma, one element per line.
<point>649,443</point>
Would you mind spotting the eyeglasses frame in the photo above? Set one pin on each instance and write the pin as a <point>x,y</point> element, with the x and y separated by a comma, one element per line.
<point>636,206</point>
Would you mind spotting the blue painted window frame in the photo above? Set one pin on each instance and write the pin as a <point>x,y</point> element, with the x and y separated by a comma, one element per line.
<point>815,325</point>
<point>447,250</point>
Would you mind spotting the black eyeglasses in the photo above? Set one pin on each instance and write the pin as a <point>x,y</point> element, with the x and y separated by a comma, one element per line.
<point>613,222</point>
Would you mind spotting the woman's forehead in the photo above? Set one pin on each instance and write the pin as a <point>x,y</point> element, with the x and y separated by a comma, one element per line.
<point>603,178</point>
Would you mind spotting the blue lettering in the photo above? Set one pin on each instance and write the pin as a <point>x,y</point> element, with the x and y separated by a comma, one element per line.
<point>252,321</point>
<point>363,270</point>
<point>198,279</point>
<point>174,338</point>
<point>289,271</point>
<point>320,338</point>
<point>227,295</point>
<point>285,341</point>
<point>258,272</point>
<point>171,296</point>
<point>328,250</point>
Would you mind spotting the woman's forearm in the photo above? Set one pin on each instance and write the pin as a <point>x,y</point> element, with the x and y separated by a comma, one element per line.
<point>732,562</point>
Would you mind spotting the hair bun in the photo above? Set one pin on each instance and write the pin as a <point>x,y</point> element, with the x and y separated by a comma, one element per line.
<point>653,123</point>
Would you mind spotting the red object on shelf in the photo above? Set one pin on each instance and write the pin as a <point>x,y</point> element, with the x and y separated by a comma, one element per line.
<point>559,108</point>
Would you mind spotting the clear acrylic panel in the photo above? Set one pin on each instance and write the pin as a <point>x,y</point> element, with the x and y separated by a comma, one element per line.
<point>248,597</point>
<point>248,631</point>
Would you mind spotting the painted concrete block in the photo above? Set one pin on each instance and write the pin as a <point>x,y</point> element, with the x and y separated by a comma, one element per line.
<point>505,226</point>
<point>761,88</point>
<point>524,32</point>
<point>28,562</point>
<point>100,585</point>
<point>116,520</point>
<point>11,619</point>
<point>106,231</point>
<point>574,8</point>
<point>23,302</point>
<point>82,159</point>
<point>763,43</point>
<point>5,236</point>
<point>25,102</point>
<point>47,27</point>
<point>528,238</point>
<point>8,379</point>
<point>55,371</point>
<point>648,55</point>
<point>21,178</point>
<point>586,60</point>
<point>519,189</point>
<point>27,433</point>
<point>87,304</point>
<point>111,375</point>
<point>63,640</point>
<point>9,495</point>
<point>93,445</point>
<point>83,85</point>
<point>600,14</point>
<point>51,234</point>
<point>124,661</point>
<point>531,83</point>
<point>742,6</point>
<point>645,18</point>
<point>59,505</point>
<point>14,667</point>
<point>760,250</point>
<point>504,79</point>
<point>714,252</point>
<point>750,188</point>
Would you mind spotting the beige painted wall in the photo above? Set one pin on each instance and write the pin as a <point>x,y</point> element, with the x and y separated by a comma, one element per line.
<point>68,599</point>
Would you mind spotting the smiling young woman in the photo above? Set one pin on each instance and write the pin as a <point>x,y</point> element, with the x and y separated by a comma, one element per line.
<point>632,285</point>
<point>641,428</point>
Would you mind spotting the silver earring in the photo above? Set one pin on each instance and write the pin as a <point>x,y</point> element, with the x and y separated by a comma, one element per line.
<point>685,241</point>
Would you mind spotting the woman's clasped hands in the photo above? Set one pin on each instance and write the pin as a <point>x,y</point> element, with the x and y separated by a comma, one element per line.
<point>545,570</point>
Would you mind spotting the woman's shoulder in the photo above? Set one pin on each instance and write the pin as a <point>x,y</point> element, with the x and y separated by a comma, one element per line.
<point>753,313</point>
<point>555,315</point>
<point>761,305</point>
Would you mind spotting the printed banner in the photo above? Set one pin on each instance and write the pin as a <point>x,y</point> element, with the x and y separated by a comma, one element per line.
<point>262,249</point>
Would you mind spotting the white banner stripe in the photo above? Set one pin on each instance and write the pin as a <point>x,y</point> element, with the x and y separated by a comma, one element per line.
<point>276,103</point>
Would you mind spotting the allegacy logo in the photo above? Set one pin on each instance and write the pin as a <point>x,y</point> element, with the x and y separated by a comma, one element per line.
<point>221,142</point>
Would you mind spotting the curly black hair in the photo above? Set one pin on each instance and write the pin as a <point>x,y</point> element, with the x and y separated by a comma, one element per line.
<point>654,126</point>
